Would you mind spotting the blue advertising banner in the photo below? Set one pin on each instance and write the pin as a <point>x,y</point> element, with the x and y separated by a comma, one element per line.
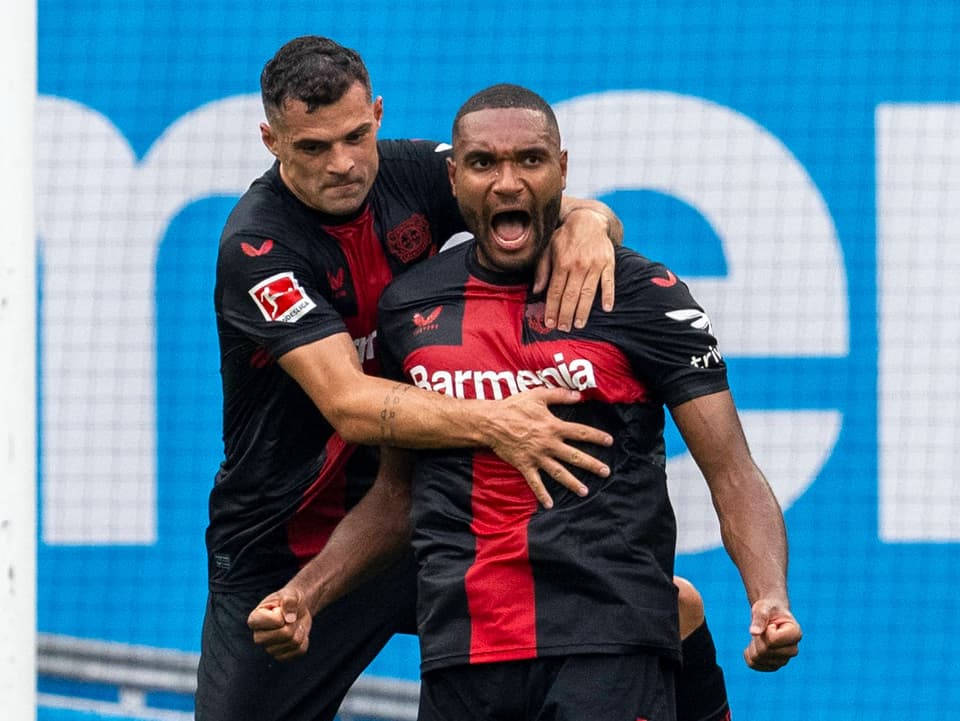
<point>798,163</point>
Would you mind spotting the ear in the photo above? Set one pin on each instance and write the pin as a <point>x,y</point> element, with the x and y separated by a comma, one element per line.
<point>563,167</point>
<point>452,174</point>
<point>378,110</point>
<point>268,138</point>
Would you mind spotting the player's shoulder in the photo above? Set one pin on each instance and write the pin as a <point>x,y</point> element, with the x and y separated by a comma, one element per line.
<point>434,274</point>
<point>411,150</point>
<point>649,281</point>
<point>632,264</point>
<point>411,166</point>
<point>431,270</point>
<point>264,211</point>
<point>259,209</point>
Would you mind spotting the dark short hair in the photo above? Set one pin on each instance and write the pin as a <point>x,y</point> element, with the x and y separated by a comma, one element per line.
<point>312,69</point>
<point>506,95</point>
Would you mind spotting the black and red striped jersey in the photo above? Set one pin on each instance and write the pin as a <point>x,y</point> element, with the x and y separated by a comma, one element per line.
<point>288,275</point>
<point>500,578</point>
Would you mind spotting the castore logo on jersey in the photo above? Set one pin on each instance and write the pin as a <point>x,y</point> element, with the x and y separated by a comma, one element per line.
<point>425,323</point>
<point>336,283</point>
<point>254,252</point>
<point>670,280</point>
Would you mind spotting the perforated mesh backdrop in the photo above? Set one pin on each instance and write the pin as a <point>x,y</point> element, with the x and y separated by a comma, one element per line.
<point>798,163</point>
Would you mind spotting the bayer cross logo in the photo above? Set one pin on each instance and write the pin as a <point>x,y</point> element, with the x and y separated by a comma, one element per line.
<point>409,239</point>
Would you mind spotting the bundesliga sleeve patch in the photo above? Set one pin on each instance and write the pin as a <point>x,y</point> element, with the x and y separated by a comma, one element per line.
<point>280,297</point>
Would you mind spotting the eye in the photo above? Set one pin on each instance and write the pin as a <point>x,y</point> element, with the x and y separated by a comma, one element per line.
<point>480,163</point>
<point>356,138</point>
<point>311,148</point>
<point>531,161</point>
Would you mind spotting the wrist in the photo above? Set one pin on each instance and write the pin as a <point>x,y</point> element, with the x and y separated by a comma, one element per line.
<point>610,224</point>
<point>310,590</point>
<point>482,427</point>
<point>593,211</point>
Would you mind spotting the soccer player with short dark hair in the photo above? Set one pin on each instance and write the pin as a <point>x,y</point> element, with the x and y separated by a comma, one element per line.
<point>569,613</point>
<point>303,259</point>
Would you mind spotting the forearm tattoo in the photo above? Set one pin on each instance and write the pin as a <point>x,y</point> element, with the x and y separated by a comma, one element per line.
<point>388,415</point>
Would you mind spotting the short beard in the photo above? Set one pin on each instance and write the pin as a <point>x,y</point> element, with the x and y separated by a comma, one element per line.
<point>542,227</point>
<point>551,221</point>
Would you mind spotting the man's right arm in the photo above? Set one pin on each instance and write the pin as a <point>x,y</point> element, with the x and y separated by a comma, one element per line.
<point>376,411</point>
<point>373,534</point>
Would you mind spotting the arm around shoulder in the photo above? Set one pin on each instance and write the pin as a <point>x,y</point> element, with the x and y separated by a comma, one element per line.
<point>580,260</point>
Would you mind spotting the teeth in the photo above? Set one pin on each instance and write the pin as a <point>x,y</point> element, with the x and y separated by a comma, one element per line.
<point>510,226</point>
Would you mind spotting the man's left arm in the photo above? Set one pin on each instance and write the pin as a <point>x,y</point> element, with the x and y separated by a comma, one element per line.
<point>751,523</point>
<point>580,260</point>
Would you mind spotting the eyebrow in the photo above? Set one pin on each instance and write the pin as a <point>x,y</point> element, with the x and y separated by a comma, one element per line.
<point>538,149</point>
<point>360,129</point>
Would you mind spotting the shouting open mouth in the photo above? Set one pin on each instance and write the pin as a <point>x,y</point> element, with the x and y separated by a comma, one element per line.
<point>511,228</point>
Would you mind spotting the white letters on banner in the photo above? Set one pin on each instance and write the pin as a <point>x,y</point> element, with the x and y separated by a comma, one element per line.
<point>101,216</point>
<point>918,294</point>
<point>785,293</point>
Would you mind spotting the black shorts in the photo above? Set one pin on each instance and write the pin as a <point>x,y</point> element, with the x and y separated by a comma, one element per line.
<point>239,680</point>
<point>701,689</point>
<point>588,687</point>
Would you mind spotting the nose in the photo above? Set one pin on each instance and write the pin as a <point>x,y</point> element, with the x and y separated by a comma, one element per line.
<point>507,180</point>
<point>340,160</point>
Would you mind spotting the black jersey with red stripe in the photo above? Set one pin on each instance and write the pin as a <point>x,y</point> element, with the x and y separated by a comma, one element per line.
<point>288,275</point>
<point>500,578</point>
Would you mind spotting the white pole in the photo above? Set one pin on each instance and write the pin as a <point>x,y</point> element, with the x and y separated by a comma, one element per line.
<point>18,333</point>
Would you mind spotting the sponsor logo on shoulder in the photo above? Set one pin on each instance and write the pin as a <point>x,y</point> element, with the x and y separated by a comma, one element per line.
<point>695,317</point>
<point>426,322</point>
<point>670,280</point>
<point>709,359</point>
<point>281,298</point>
<point>265,247</point>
